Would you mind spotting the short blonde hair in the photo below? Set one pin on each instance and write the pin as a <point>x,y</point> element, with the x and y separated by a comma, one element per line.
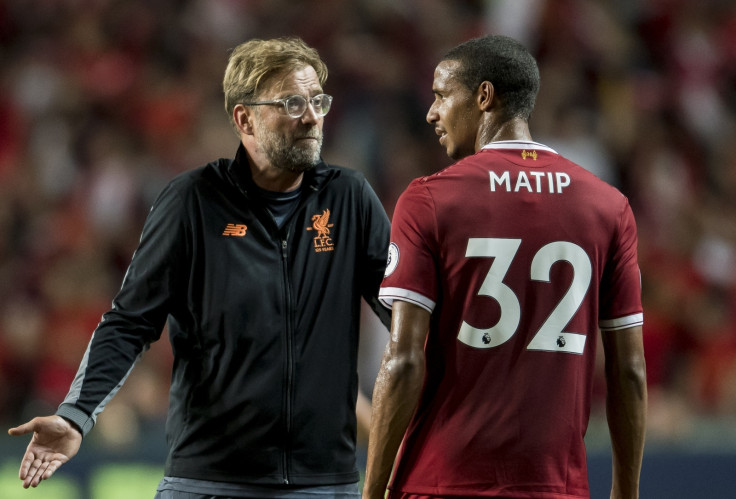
<point>253,63</point>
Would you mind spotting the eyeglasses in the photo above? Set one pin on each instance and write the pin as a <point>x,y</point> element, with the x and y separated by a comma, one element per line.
<point>296,105</point>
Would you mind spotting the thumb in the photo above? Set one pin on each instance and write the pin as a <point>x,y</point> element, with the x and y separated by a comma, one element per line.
<point>23,429</point>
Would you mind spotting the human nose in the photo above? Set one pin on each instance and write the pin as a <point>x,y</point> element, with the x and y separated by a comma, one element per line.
<point>432,115</point>
<point>310,115</point>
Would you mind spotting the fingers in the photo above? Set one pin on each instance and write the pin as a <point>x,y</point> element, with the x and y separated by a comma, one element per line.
<point>51,469</point>
<point>25,465</point>
<point>31,477</point>
<point>50,447</point>
<point>41,474</point>
<point>39,470</point>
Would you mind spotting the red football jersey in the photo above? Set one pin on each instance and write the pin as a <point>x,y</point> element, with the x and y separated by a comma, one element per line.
<point>521,256</point>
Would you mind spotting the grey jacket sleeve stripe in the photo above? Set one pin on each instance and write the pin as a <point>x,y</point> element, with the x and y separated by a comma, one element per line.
<point>68,410</point>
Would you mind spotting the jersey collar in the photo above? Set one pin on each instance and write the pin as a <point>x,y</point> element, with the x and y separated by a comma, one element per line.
<point>518,144</point>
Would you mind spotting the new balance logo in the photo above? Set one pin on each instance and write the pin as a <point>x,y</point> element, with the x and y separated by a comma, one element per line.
<point>237,230</point>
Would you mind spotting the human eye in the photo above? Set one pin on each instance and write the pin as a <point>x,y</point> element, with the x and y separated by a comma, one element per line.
<point>322,102</point>
<point>295,105</point>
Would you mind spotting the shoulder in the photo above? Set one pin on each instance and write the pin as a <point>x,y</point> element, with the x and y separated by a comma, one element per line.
<point>326,172</point>
<point>441,183</point>
<point>188,188</point>
<point>335,180</point>
<point>190,181</point>
<point>418,199</point>
<point>215,170</point>
<point>456,171</point>
<point>596,187</point>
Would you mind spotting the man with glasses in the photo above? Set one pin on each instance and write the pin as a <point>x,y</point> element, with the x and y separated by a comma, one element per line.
<point>259,264</point>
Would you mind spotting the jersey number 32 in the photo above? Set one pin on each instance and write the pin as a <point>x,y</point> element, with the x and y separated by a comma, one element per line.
<point>550,336</point>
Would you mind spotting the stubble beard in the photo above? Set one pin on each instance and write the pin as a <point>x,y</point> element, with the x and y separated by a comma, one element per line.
<point>291,156</point>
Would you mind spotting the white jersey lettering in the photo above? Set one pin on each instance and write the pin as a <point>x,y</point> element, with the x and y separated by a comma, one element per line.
<point>552,182</point>
<point>563,180</point>
<point>502,180</point>
<point>522,181</point>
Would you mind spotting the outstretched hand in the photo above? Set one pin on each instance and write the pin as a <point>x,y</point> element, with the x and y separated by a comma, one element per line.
<point>55,441</point>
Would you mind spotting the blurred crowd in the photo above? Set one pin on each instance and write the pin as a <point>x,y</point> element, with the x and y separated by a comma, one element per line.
<point>103,101</point>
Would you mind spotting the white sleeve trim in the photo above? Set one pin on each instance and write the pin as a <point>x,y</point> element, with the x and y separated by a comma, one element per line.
<point>387,296</point>
<point>621,322</point>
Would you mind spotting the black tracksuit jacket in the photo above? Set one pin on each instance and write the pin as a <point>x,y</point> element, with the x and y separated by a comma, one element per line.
<point>263,323</point>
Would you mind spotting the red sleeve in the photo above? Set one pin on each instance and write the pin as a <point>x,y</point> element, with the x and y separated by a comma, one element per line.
<point>411,273</point>
<point>620,293</point>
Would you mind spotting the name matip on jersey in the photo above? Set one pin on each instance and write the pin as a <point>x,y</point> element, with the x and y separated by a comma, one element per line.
<point>521,256</point>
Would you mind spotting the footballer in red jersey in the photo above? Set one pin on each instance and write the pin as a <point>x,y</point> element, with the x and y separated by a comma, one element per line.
<point>502,270</point>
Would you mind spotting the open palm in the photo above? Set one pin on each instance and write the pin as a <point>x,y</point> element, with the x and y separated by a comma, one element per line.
<point>54,442</point>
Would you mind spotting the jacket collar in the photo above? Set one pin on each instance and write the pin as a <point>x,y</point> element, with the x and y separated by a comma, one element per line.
<point>239,171</point>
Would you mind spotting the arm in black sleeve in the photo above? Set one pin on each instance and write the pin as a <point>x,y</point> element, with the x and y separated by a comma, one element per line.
<point>138,313</point>
<point>376,235</point>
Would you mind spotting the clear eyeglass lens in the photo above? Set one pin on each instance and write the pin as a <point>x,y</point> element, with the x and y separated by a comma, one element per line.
<point>296,105</point>
<point>321,103</point>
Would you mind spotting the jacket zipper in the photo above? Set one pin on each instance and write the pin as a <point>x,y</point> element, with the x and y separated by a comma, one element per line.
<point>289,360</point>
<point>289,368</point>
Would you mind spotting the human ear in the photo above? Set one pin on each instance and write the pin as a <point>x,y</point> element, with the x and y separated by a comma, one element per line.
<point>243,116</point>
<point>484,96</point>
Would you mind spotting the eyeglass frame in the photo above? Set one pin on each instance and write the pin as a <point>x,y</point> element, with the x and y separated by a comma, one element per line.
<point>307,103</point>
